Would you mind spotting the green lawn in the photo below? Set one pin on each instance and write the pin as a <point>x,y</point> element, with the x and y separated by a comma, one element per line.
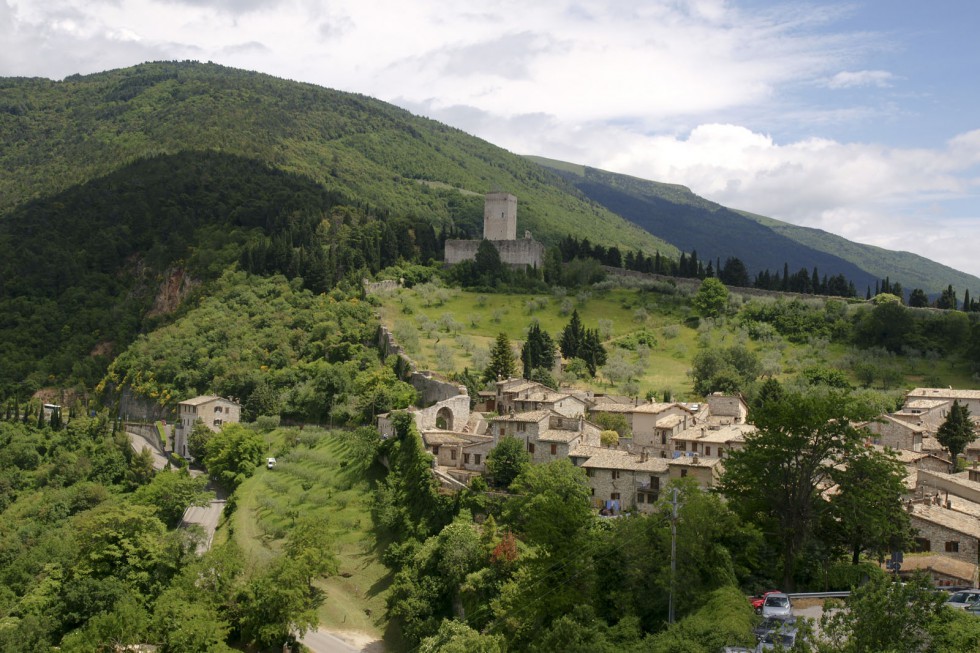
<point>447,329</point>
<point>326,476</point>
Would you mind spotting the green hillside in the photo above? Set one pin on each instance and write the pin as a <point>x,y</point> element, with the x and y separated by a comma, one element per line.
<point>54,135</point>
<point>911,270</point>
<point>677,215</point>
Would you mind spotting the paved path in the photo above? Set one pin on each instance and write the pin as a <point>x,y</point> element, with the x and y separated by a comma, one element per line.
<point>139,443</point>
<point>207,518</point>
<point>324,641</point>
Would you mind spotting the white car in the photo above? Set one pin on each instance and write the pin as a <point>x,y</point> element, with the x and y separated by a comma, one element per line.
<point>777,605</point>
<point>270,463</point>
<point>963,599</point>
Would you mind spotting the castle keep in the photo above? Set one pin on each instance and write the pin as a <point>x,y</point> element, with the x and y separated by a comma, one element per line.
<point>500,228</point>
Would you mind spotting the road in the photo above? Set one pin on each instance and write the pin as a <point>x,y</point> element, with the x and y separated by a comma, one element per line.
<point>139,442</point>
<point>207,518</point>
<point>323,641</point>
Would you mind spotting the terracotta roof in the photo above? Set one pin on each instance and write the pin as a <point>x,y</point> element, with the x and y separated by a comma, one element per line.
<point>693,461</point>
<point>941,564</point>
<point>613,408</point>
<point>946,518</point>
<point>943,393</point>
<point>441,437</point>
<point>203,399</point>
<point>654,408</point>
<point>669,421</point>
<point>926,404</point>
<point>619,459</point>
<point>915,428</point>
<point>558,435</point>
<point>723,435</point>
<point>529,416</point>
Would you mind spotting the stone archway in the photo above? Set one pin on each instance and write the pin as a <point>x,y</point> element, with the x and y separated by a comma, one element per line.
<point>444,419</point>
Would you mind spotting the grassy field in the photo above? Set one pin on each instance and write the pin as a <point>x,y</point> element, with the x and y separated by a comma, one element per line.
<point>446,329</point>
<point>458,332</point>
<point>324,475</point>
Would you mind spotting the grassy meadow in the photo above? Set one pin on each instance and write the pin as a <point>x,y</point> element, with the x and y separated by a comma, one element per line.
<point>329,475</point>
<point>448,329</point>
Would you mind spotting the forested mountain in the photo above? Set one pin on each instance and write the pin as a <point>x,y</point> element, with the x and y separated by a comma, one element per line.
<point>54,135</point>
<point>690,222</point>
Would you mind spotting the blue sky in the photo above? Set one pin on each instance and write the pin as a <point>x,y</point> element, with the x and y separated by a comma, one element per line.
<point>859,118</point>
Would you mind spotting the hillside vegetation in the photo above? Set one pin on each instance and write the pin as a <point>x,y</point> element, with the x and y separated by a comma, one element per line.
<point>55,135</point>
<point>680,217</point>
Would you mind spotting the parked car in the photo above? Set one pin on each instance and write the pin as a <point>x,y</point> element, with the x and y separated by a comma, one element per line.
<point>759,599</point>
<point>777,604</point>
<point>771,624</point>
<point>963,599</point>
<point>786,638</point>
<point>270,463</point>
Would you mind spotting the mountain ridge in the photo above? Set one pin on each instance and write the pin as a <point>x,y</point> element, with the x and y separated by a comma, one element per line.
<point>689,221</point>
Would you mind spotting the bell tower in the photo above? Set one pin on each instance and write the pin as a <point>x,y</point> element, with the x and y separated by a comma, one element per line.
<point>500,216</point>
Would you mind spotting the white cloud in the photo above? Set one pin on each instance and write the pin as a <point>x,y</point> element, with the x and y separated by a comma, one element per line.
<point>671,90</point>
<point>851,79</point>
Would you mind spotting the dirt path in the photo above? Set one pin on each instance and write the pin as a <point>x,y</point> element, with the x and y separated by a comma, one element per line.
<point>341,641</point>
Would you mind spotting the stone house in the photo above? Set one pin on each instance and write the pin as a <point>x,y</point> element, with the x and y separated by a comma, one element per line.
<point>727,409</point>
<point>460,455</point>
<point>705,471</point>
<point>654,424</point>
<point>562,403</point>
<point>889,431</point>
<point>621,480</point>
<point>944,571</point>
<point>946,532</point>
<point>213,411</point>
<point>709,441</point>
<point>547,435</point>
<point>928,414</point>
<point>968,398</point>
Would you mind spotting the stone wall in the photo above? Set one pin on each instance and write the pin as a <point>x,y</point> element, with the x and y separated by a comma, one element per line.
<point>938,536</point>
<point>431,388</point>
<point>388,285</point>
<point>526,252</point>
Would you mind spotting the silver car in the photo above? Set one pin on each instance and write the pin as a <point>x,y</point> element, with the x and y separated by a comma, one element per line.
<point>777,605</point>
<point>963,598</point>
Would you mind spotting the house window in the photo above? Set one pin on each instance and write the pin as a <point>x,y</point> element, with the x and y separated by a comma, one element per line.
<point>466,459</point>
<point>593,492</point>
<point>922,545</point>
<point>589,472</point>
<point>654,482</point>
<point>682,446</point>
<point>530,447</point>
<point>554,449</point>
<point>217,409</point>
<point>614,496</point>
<point>707,450</point>
<point>435,450</point>
<point>452,454</point>
<point>663,437</point>
<point>521,426</point>
<point>615,474</point>
<point>217,422</point>
<point>683,473</point>
<point>476,459</point>
<point>639,498</point>
<point>952,547</point>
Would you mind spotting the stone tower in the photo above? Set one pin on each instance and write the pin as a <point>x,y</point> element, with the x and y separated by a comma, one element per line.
<point>500,216</point>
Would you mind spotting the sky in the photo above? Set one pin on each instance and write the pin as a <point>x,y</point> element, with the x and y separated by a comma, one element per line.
<point>860,118</point>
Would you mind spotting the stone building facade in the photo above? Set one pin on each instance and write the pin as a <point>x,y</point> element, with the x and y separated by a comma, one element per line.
<point>500,228</point>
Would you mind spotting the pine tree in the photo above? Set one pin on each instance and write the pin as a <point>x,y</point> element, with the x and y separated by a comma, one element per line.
<point>571,337</point>
<point>501,360</point>
<point>592,351</point>
<point>956,431</point>
<point>538,350</point>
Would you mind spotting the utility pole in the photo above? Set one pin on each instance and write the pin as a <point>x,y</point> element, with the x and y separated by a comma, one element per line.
<point>673,553</point>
